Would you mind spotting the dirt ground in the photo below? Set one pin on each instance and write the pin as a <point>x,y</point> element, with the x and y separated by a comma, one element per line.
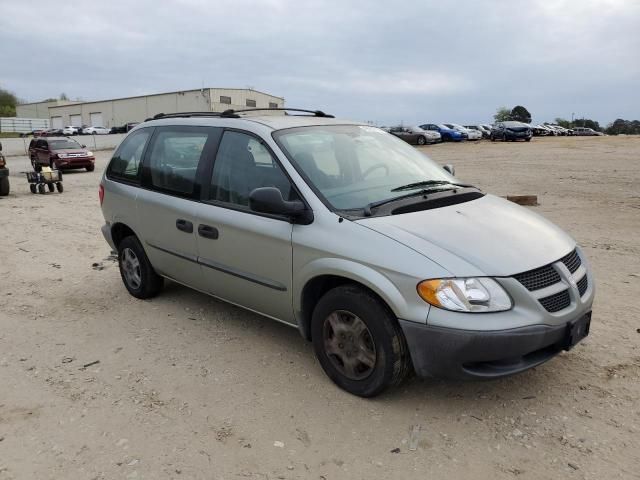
<point>189,387</point>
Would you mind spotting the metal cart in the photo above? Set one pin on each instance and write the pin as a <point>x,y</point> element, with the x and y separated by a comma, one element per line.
<point>52,179</point>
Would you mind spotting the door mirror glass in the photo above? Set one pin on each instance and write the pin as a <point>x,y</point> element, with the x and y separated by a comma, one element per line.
<point>449,168</point>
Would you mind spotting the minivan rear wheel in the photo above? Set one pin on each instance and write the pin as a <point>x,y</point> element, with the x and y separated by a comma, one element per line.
<point>358,341</point>
<point>138,276</point>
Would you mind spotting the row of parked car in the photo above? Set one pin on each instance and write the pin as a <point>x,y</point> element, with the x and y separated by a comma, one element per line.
<point>83,130</point>
<point>430,133</point>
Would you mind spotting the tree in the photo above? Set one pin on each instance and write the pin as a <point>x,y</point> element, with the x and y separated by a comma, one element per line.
<point>587,122</point>
<point>563,122</point>
<point>502,114</point>
<point>520,114</point>
<point>624,127</point>
<point>63,96</point>
<point>8,103</point>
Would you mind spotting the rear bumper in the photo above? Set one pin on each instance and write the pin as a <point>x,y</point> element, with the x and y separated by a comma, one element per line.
<point>106,233</point>
<point>466,354</point>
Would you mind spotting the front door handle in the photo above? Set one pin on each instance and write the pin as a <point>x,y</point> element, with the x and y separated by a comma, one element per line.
<point>184,225</point>
<point>208,231</point>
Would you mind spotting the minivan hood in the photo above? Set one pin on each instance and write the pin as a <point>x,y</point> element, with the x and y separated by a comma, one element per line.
<point>487,236</point>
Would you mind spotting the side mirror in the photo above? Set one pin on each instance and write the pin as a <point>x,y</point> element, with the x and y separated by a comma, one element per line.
<point>84,146</point>
<point>0,146</point>
<point>269,200</point>
<point>449,168</point>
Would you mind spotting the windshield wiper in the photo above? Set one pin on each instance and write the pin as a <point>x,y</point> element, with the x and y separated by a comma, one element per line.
<point>368,207</point>
<point>428,183</point>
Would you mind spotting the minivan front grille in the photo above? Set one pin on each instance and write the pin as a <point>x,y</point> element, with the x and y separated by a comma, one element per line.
<point>556,302</point>
<point>583,284</point>
<point>547,275</point>
<point>572,261</point>
<point>538,278</point>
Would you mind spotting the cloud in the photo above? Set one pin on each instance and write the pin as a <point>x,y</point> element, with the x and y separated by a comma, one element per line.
<point>420,60</point>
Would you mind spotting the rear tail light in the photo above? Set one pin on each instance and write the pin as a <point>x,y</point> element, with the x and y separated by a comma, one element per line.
<point>101,194</point>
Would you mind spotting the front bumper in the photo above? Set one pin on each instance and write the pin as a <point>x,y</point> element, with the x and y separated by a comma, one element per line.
<point>467,354</point>
<point>64,163</point>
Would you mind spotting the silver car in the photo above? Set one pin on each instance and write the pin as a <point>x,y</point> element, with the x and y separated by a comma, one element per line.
<point>379,256</point>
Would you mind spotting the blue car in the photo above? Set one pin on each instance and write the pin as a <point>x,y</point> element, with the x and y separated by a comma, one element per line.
<point>447,134</point>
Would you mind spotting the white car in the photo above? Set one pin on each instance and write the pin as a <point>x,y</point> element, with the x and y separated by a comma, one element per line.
<point>70,130</point>
<point>471,134</point>
<point>96,131</point>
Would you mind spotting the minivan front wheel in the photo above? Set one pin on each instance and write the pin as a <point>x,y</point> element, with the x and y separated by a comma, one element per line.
<point>358,341</point>
<point>136,271</point>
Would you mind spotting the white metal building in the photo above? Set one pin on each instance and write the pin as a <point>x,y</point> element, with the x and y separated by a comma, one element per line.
<point>117,112</point>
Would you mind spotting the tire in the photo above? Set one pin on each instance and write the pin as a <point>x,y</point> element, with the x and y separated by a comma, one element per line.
<point>527,139</point>
<point>381,343</point>
<point>138,276</point>
<point>51,187</point>
<point>493,139</point>
<point>36,166</point>
<point>422,141</point>
<point>4,187</point>
<point>59,187</point>
<point>41,188</point>
<point>32,187</point>
<point>91,168</point>
<point>93,133</point>
<point>504,137</point>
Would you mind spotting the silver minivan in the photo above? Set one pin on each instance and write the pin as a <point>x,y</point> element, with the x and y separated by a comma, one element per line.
<point>379,256</point>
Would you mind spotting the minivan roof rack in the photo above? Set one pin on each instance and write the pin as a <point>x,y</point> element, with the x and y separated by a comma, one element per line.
<point>230,113</point>
<point>184,114</point>
<point>234,113</point>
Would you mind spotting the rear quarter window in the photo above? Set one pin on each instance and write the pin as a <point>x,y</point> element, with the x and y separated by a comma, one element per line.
<point>125,164</point>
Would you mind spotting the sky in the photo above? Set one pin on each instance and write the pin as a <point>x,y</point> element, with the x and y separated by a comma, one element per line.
<point>387,62</point>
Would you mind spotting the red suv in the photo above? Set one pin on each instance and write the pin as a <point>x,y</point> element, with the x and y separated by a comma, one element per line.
<point>60,153</point>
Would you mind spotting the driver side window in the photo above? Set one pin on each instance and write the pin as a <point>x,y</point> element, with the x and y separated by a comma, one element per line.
<point>243,164</point>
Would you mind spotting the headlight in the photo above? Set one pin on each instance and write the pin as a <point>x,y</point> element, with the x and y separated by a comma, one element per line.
<point>62,155</point>
<point>465,294</point>
<point>89,154</point>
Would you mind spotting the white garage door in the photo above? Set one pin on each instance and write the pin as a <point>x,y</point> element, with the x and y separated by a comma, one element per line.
<point>76,120</point>
<point>96,119</point>
<point>56,122</point>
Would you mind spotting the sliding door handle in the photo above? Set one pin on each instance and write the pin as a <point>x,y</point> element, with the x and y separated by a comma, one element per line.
<point>208,231</point>
<point>184,225</point>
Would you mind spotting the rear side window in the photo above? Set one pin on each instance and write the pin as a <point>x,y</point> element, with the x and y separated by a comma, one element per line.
<point>125,164</point>
<point>174,158</point>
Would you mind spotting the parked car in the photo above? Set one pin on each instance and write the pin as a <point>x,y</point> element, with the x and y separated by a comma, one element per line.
<point>379,256</point>
<point>70,130</point>
<point>97,131</point>
<point>447,134</point>
<point>52,132</point>
<point>470,134</point>
<point>484,133</point>
<point>511,131</point>
<point>416,135</point>
<point>4,175</point>
<point>60,153</point>
<point>585,131</point>
<point>32,133</point>
<point>124,128</point>
<point>540,131</point>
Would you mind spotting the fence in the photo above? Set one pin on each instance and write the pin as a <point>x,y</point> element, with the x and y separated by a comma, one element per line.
<point>19,146</point>
<point>22,125</point>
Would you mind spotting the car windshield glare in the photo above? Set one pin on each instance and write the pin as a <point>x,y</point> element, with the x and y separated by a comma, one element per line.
<point>63,144</point>
<point>352,166</point>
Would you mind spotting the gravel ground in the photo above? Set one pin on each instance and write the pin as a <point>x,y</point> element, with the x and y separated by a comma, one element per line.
<point>189,387</point>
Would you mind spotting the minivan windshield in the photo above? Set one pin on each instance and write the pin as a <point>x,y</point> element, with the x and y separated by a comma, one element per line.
<point>63,144</point>
<point>353,166</point>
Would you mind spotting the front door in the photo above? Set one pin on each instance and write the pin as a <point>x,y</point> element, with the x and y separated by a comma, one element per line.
<point>167,203</point>
<point>246,257</point>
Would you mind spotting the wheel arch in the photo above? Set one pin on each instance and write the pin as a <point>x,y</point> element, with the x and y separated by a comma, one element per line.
<point>340,272</point>
<point>119,231</point>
